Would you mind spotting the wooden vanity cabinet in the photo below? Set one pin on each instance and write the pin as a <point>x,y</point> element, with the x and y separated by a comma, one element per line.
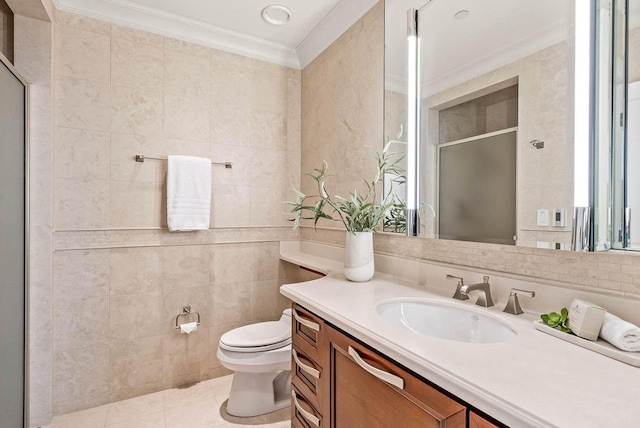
<point>340,383</point>
<point>477,421</point>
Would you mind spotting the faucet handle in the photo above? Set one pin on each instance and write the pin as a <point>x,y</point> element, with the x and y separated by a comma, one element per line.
<point>458,294</point>
<point>513,304</point>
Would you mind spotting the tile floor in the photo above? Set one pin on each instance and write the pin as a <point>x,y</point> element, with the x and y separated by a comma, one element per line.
<point>202,405</point>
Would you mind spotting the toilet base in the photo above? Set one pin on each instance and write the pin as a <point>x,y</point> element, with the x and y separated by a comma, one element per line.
<point>254,394</point>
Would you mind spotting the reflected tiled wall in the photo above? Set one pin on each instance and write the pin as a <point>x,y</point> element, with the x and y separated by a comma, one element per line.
<point>119,279</point>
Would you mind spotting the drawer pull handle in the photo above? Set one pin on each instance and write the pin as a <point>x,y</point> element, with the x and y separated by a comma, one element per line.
<point>312,325</point>
<point>392,379</point>
<point>305,368</point>
<point>313,420</point>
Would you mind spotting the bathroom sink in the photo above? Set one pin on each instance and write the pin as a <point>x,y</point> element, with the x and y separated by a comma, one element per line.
<point>445,321</point>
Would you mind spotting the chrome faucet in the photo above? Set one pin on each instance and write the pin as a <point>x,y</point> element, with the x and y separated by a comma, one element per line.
<point>457,294</point>
<point>513,305</point>
<point>484,297</point>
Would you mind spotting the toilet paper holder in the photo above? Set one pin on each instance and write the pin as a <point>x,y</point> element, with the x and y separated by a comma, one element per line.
<point>186,310</point>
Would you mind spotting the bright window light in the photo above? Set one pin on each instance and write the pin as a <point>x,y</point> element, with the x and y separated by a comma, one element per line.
<point>582,103</point>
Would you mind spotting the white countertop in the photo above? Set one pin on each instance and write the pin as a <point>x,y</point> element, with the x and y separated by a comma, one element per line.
<point>532,380</point>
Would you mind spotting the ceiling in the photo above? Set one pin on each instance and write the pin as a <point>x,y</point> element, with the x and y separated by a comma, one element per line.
<point>235,25</point>
<point>496,33</point>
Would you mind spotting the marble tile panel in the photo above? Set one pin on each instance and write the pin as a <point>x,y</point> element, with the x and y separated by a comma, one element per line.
<point>136,64</point>
<point>135,270</point>
<point>177,397</point>
<point>81,154</point>
<point>240,174</point>
<point>186,148</point>
<point>81,274</point>
<point>231,303</point>
<point>119,32</point>
<point>137,204</point>
<point>80,323</point>
<point>81,376</point>
<point>230,58</point>
<point>231,84</point>
<point>136,111</point>
<point>230,124</point>
<point>81,204</point>
<point>136,391</point>
<point>124,147</point>
<point>81,54</point>
<point>134,316</point>
<point>266,260</point>
<point>264,301</point>
<point>135,363</point>
<point>94,417</point>
<point>187,75</point>
<point>230,206</point>
<point>186,47</point>
<point>185,354</point>
<point>232,263</point>
<point>82,22</point>
<point>268,130</point>
<point>200,414</point>
<point>185,267</point>
<point>269,168</point>
<point>82,104</point>
<point>186,118</point>
<point>269,90</point>
<point>267,207</point>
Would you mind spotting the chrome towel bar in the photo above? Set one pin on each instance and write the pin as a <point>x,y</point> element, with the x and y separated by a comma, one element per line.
<point>141,158</point>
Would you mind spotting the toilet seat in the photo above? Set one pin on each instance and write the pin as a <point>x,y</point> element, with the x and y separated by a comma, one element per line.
<point>259,337</point>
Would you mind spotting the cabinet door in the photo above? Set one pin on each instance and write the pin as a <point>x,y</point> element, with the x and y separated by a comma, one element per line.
<point>477,421</point>
<point>368,391</point>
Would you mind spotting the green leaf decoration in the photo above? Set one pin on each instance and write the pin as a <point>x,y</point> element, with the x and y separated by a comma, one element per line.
<point>557,320</point>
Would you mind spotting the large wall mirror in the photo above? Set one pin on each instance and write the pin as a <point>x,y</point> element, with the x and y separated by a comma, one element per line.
<point>495,103</point>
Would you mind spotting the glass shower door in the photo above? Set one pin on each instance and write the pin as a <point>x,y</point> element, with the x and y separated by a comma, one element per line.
<point>13,183</point>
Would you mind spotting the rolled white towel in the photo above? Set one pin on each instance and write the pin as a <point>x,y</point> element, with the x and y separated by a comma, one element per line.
<point>620,333</point>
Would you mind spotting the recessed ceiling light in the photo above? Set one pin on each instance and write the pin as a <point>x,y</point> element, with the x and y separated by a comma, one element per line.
<point>461,14</point>
<point>276,14</point>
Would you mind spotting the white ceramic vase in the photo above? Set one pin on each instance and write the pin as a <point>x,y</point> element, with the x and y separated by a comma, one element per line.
<point>358,263</point>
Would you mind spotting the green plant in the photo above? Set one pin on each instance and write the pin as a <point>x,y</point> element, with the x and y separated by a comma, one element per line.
<point>557,320</point>
<point>358,212</point>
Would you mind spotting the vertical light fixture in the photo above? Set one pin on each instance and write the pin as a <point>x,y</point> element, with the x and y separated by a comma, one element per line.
<point>413,124</point>
<point>583,118</point>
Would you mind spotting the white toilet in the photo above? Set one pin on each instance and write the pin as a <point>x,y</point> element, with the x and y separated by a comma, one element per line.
<point>260,356</point>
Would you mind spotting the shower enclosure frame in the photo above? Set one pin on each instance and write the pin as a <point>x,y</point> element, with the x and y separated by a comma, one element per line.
<point>5,61</point>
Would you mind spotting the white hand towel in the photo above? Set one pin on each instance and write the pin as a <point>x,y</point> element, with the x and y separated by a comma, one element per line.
<point>188,193</point>
<point>188,328</point>
<point>620,333</point>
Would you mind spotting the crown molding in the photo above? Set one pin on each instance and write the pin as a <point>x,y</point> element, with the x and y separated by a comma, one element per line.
<point>333,25</point>
<point>126,13</point>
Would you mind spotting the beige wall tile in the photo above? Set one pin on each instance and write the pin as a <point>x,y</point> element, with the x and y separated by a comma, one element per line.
<point>230,206</point>
<point>136,391</point>
<point>230,58</point>
<point>269,168</point>
<point>230,84</point>
<point>267,207</point>
<point>269,90</point>
<point>185,267</point>
<point>231,303</point>
<point>186,118</point>
<point>186,75</point>
<point>185,354</point>
<point>124,147</point>
<point>229,124</point>
<point>136,36</point>
<point>268,130</point>
<point>135,270</point>
<point>136,363</point>
<point>136,64</point>
<point>136,111</point>
<point>240,174</point>
<point>134,316</point>
<point>230,263</point>
<point>186,47</point>
<point>81,204</point>
<point>264,301</point>
<point>82,22</point>
<point>81,104</point>
<point>137,204</point>
<point>81,154</point>
<point>186,148</point>
<point>82,54</point>
<point>80,378</point>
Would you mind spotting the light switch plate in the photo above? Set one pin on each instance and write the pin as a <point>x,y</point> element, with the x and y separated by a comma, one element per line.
<point>542,218</point>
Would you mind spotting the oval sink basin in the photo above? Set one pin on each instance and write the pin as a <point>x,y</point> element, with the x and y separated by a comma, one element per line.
<point>445,321</point>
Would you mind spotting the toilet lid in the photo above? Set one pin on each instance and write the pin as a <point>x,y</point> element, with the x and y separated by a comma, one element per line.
<point>260,335</point>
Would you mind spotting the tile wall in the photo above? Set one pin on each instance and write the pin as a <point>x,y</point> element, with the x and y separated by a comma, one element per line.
<point>120,278</point>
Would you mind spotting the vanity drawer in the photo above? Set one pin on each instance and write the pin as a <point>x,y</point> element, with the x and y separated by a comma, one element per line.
<point>303,414</point>
<point>306,333</point>
<point>306,377</point>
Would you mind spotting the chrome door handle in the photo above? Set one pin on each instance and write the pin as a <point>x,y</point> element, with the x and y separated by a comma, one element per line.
<point>305,368</point>
<point>387,377</point>
<point>312,419</point>
<point>307,323</point>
